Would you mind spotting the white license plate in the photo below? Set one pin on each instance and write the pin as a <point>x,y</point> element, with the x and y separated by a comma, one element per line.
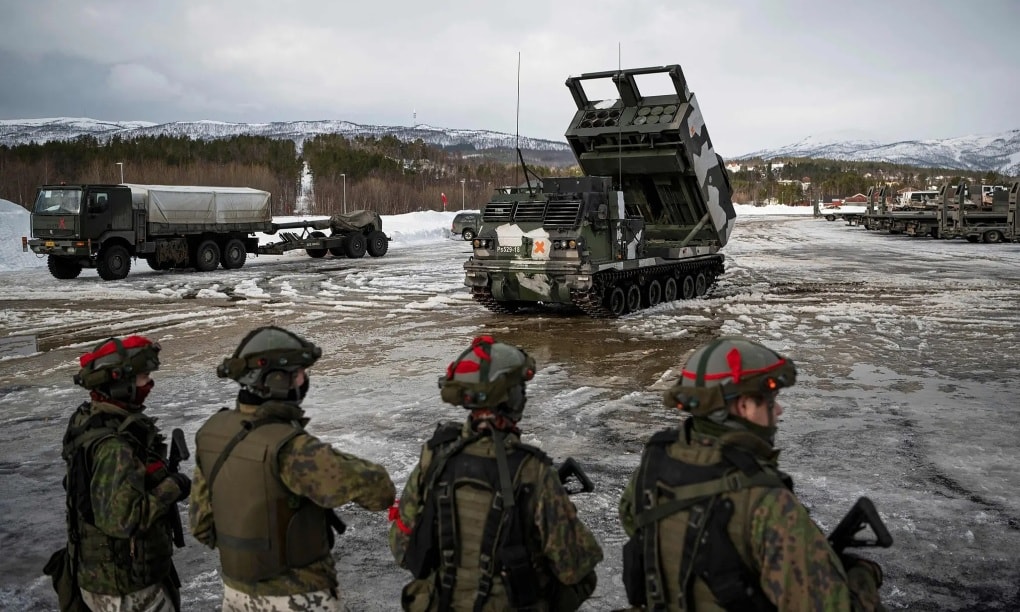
<point>507,249</point>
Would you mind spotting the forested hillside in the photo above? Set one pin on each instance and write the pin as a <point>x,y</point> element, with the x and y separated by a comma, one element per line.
<point>390,175</point>
<point>382,174</point>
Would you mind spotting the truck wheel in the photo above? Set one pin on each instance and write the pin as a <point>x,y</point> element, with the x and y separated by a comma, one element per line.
<point>339,251</point>
<point>316,253</point>
<point>207,256</point>
<point>993,237</point>
<point>669,290</point>
<point>355,246</point>
<point>114,262</point>
<point>153,262</point>
<point>654,293</point>
<point>63,268</point>
<point>234,254</point>
<point>378,244</point>
<point>467,234</point>
<point>633,298</point>
<point>687,290</point>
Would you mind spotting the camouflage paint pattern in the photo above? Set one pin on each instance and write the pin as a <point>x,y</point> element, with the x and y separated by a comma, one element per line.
<point>312,469</point>
<point>567,546</point>
<point>655,200</point>
<point>316,601</point>
<point>150,599</point>
<point>773,534</point>
<point>125,506</point>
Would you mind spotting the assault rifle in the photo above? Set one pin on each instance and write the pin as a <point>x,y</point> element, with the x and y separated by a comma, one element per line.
<point>569,469</point>
<point>861,515</point>
<point>178,452</point>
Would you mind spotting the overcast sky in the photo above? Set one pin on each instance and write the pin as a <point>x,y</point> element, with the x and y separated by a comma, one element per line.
<point>766,73</point>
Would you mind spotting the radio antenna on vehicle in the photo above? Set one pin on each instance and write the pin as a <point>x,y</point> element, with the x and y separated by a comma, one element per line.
<point>517,136</point>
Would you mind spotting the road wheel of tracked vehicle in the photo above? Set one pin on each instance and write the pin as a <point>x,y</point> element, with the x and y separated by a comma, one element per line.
<point>234,254</point>
<point>616,301</point>
<point>63,268</point>
<point>633,298</point>
<point>468,234</point>
<point>669,290</point>
<point>114,262</point>
<point>687,290</point>
<point>992,237</point>
<point>316,253</point>
<point>700,284</point>
<point>207,256</point>
<point>378,244</point>
<point>355,246</point>
<point>654,293</point>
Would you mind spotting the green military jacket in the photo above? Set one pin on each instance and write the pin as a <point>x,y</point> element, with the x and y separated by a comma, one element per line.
<point>121,532</point>
<point>562,546</point>
<point>771,530</point>
<point>294,469</point>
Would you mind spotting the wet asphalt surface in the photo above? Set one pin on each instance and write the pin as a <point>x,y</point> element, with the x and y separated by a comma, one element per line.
<point>907,389</point>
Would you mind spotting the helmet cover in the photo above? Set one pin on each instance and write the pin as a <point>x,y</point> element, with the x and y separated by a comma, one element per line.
<point>112,366</point>
<point>489,374</point>
<point>265,361</point>
<point>725,369</point>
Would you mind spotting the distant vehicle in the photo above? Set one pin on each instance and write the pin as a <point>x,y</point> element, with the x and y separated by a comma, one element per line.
<point>466,224</point>
<point>177,226</point>
<point>918,198</point>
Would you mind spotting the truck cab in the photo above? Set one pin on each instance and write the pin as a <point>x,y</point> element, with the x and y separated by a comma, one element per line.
<point>72,223</point>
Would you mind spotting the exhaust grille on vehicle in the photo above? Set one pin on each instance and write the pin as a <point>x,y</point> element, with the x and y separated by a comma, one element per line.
<point>497,211</point>
<point>562,214</point>
<point>529,211</point>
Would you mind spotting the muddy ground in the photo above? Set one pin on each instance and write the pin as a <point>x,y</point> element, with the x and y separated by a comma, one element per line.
<point>906,392</point>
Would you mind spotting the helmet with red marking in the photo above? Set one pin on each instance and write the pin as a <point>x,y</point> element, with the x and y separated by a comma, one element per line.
<point>723,370</point>
<point>489,374</point>
<point>113,365</point>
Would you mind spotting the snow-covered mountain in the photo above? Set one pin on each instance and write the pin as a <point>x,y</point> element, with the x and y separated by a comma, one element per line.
<point>998,152</point>
<point>21,131</point>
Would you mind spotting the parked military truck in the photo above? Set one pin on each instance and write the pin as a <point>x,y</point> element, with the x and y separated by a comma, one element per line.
<point>105,226</point>
<point>643,226</point>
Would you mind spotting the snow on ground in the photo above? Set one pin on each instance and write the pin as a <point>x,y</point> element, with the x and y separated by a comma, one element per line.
<point>906,388</point>
<point>15,223</point>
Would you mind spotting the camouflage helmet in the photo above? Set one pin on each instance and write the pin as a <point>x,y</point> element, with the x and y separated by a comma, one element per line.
<point>112,366</point>
<point>489,374</point>
<point>265,362</point>
<point>725,369</point>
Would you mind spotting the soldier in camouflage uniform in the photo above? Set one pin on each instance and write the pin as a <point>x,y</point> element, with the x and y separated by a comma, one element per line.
<point>484,522</point>
<point>120,494</point>
<point>265,488</point>
<point>714,524</point>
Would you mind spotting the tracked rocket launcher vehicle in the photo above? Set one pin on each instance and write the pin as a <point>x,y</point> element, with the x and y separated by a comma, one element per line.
<point>645,225</point>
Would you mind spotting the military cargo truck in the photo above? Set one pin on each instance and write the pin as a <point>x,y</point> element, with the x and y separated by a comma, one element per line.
<point>645,225</point>
<point>105,226</point>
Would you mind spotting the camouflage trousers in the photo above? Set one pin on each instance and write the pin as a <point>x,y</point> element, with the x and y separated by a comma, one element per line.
<point>153,598</point>
<point>315,601</point>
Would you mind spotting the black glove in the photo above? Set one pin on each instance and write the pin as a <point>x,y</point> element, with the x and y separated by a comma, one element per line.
<point>851,561</point>
<point>183,483</point>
